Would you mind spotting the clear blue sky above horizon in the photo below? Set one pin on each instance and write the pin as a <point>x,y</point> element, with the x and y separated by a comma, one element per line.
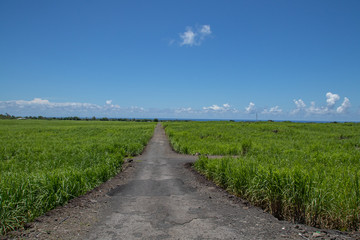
<point>184,59</point>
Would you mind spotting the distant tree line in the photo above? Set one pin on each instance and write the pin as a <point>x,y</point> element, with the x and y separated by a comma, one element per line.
<point>75,118</point>
<point>7,116</point>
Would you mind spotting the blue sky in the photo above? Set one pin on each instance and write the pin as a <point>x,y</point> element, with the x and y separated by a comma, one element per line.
<point>290,60</point>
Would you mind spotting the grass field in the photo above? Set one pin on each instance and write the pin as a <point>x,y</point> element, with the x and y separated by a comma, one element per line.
<point>302,172</point>
<point>43,164</point>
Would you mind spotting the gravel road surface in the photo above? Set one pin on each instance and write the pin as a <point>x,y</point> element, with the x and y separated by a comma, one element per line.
<point>162,200</point>
<point>159,196</point>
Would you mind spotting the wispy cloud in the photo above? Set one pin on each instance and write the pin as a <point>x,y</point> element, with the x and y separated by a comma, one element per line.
<point>313,109</point>
<point>184,110</point>
<point>331,108</point>
<point>194,37</point>
<point>205,30</point>
<point>273,110</point>
<point>215,108</point>
<point>38,106</point>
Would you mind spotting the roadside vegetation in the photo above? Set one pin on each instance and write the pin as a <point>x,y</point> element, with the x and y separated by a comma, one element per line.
<point>302,172</point>
<point>44,164</point>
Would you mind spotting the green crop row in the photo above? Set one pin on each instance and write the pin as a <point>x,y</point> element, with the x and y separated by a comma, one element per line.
<point>302,172</point>
<point>43,164</point>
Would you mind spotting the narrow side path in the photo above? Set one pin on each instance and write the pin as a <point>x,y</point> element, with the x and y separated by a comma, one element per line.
<point>164,200</point>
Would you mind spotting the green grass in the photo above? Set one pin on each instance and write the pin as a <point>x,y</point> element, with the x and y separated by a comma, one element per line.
<point>43,164</point>
<point>302,172</point>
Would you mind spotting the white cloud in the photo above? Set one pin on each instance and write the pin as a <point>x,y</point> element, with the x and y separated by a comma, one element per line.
<point>194,37</point>
<point>226,105</point>
<point>330,109</point>
<point>331,99</point>
<point>300,106</point>
<point>299,103</point>
<point>44,107</point>
<point>188,37</point>
<point>344,106</point>
<point>274,110</point>
<point>40,101</point>
<point>251,108</point>
<point>205,30</point>
<point>35,101</point>
<point>133,109</point>
<point>224,108</point>
<point>213,107</point>
<point>184,110</point>
<point>317,110</point>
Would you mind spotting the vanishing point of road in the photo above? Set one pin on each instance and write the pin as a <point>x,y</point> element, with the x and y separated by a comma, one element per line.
<point>164,200</point>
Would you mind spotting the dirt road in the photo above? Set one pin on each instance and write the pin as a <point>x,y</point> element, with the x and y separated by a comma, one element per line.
<point>158,197</point>
<point>163,200</point>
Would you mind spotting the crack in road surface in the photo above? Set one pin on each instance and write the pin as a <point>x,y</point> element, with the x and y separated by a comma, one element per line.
<point>162,200</point>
